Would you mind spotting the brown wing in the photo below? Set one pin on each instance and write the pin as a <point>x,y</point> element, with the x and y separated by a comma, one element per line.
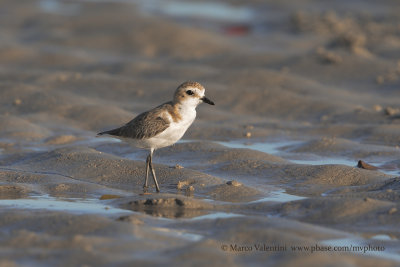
<point>145,125</point>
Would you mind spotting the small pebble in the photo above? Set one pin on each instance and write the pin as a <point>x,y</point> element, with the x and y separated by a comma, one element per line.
<point>363,165</point>
<point>177,166</point>
<point>391,111</point>
<point>377,108</point>
<point>190,188</point>
<point>248,134</point>
<point>189,191</point>
<point>17,102</point>
<point>181,184</point>
<point>393,210</point>
<point>233,183</point>
<point>62,77</point>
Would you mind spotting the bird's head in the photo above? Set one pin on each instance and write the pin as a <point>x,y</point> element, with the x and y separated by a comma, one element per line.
<point>191,93</point>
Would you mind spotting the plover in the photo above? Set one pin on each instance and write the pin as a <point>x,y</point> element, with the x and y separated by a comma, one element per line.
<point>163,125</point>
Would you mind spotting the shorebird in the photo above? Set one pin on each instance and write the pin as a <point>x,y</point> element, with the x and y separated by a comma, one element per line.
<point>163,125</point>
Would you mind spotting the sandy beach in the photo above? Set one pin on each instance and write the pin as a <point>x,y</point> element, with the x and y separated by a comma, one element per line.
<point>297,164</point>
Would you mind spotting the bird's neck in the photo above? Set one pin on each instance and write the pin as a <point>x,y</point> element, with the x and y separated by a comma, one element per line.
<point>186,105</point>
<point>186,110</point>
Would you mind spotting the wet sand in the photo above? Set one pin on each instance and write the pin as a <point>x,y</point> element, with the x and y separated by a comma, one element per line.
<point>268,176</point>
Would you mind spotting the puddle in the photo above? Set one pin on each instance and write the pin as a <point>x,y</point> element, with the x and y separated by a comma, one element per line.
<point>270,147</point>
<point>278,149</point>
<point>100,139</point>
<point>278,196</point>
<point>363,247</point>
<point>59,7</point>
<point>179,234</point>
<point>168,213</point>
<point>382,238</point>
<point>72,205</point>
<point>216,215</point>
<point>324,161</point>
<point>203,10</point>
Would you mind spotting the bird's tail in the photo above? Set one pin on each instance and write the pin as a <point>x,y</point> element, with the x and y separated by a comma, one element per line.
<point>110,132</point>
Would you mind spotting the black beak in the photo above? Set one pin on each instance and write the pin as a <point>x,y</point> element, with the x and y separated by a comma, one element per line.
<point>206,100</point>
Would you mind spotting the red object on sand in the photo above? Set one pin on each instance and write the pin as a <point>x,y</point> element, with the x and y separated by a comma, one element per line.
<point>237,30</point>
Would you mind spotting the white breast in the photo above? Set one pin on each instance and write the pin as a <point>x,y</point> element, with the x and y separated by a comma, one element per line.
<point>174,132</point>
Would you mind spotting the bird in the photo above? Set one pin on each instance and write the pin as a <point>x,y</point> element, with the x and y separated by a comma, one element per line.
<point>163,125</point>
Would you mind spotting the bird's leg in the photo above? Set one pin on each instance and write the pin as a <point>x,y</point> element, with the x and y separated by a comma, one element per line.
<point>147,173</point>
<point>152,171</point>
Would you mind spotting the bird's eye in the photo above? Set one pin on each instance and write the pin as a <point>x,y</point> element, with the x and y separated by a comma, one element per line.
<point>189,92</point>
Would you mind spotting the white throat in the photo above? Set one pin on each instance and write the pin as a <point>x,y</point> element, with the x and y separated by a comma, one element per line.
<point>187,110</point>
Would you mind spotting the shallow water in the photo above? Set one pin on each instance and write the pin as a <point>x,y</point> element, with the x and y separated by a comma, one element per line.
<point>60,7</point>
<point>278,149</point>
<point>278,196</point>
<point>180,234</point>
<point>72,205</point>
<point>382,237</point>
<point>266,147</point>
<point>86,206</point>
<point>217,11</point>
<point>216,215</point>
<point>362,246</point>
<point>204,10</point>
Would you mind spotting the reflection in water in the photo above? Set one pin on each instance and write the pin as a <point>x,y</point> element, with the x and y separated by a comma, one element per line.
<point>72,205</point>
<point>177,233</point>
<point>217,215</point>
<point>168,212</point>
<point>278,196</point>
